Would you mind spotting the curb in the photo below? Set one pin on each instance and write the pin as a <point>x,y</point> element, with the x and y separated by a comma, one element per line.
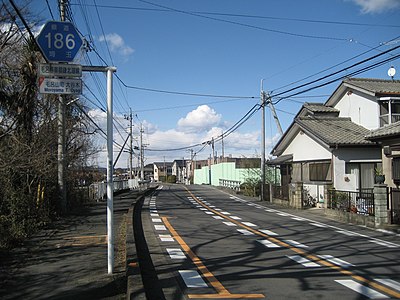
<point>135,244</point>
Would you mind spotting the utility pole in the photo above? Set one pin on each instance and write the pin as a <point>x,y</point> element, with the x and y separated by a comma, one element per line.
<point>129,117</point>
<point>141,153</point>
<point>213,151</point>
<point>223,146</point>
<point>61,136</point>
<point>262,141</point>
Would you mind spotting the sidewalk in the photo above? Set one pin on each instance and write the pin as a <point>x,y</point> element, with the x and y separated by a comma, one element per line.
<point>69,261</point>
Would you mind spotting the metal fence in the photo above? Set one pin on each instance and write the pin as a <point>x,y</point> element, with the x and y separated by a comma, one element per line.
<point>231,184</point>
<point>280,192</point>
<point>394,197</point>
<point>98,190</point>
<point>360,202</point>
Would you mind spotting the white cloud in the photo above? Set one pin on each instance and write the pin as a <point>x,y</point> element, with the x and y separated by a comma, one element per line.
<point>208,125</point>
<point>116,44</point>
<point>201,119</point>
<point>377,6</point>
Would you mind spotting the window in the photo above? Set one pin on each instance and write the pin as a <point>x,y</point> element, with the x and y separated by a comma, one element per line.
<point>319,171</point>
<point>389,112</point>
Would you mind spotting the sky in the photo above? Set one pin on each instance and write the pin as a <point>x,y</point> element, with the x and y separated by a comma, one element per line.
<point>190,70</point>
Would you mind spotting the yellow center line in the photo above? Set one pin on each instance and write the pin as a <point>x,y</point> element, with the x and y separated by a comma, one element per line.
<point>304,253</point>
<point>221,290</point>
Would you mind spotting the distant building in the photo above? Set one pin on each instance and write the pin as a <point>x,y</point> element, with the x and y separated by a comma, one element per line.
<point>162,170</point>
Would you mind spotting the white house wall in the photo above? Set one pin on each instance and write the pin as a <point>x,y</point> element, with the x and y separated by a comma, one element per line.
<point>347,182</point>
<point>305,148</point>
<point>362,109</point>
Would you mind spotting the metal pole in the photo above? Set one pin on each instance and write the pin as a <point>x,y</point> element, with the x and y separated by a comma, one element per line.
<point>61,138</point>
<point>130,148</point>
<point>262,141</point>
<point>141,154</point>
<point>110,171</point>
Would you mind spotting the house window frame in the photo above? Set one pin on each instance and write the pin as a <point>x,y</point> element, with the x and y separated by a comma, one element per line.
<point>320,171</point>
<point>391,111</point>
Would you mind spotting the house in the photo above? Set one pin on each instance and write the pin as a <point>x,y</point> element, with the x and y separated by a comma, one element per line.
<point>388,137</point>
<point>179,170</point>
<point>326,145</point>
<point>162,170</point>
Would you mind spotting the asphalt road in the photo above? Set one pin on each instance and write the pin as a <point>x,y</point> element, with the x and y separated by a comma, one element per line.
<point>207,244</point>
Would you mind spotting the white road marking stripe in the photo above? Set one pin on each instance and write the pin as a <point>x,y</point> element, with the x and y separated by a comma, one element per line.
<point>235,218</point>
<point>296,244</point>
<point>249,224</point>
<point>209,212</point>
<point>166,238</point>
<point>245,232</point>
<point>229,223</point>
<point>160,227</point>
<point>156,220</point>
<point>176,253</point>
<point>268,232</point>
<point>192,279</point>
<point>154,215</point>
<point>268,244</point>
<point>283,214</point>
<point>212,206</point>
<point>218,217</point>
<point>337,261</point>
<point>203,208</point>
<point>304,261</point>
<point>298,219</point>
<point>318,225</point>
<point>270,210</point>
<point>361,289</point>
<point>389,282</point>
<point>225,213</point>
<point>349,233</point>
<point>384,243</point>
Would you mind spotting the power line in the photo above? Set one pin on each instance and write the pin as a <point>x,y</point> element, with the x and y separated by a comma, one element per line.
<point>246,25</point>
<point>334,73</point>
<point>247,16</point>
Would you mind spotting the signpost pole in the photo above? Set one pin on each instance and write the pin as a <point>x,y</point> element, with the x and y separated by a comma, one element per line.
<point>61,138</point>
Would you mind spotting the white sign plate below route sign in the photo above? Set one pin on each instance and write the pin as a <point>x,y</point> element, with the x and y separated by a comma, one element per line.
<point>66,86</point>
<point>60,70</point>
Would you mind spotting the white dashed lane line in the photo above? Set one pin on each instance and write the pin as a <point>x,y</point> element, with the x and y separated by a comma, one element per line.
<point>337,261</point>
<point>268,244</point>
<point>192,279</point>
<point>303,261</point>
<point>176,253</point>
<point>361,289</point>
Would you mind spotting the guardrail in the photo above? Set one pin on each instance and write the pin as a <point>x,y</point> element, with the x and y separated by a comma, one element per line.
<point>231,184</point>
<point>98,190</point>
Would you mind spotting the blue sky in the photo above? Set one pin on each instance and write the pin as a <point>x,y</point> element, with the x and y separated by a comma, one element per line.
<point>221,48</point>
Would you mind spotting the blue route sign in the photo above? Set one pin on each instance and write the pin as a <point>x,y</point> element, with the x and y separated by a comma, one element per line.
<point>59,41</point>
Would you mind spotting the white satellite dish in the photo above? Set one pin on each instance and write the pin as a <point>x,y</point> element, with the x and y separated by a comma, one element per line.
<point>391,72</point>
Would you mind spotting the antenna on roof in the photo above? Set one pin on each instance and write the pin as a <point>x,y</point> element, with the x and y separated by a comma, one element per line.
<point>392,72</point>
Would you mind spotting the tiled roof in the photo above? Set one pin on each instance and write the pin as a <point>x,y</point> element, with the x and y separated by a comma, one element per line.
<point>385,131</point>
<point>334,131</point>
<point>377,86</point>
<point>319,107</point>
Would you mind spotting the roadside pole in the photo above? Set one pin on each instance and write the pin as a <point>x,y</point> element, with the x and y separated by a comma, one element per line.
<point>110,183</point>
<point>262,141</point>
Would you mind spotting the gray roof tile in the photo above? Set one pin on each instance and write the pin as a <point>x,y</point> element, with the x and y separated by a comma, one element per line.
<point>377,86</point>
<point>334,131</point>
<point>385,131</point>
